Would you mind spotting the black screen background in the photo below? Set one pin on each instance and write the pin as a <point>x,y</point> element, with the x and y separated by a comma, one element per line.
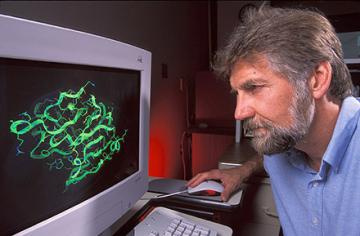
<point>30,193</point>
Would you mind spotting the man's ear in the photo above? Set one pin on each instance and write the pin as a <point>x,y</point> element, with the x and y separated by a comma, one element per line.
<point>320,81</point>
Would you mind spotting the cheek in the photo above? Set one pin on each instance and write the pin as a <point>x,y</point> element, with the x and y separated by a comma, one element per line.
<point>276,108</point>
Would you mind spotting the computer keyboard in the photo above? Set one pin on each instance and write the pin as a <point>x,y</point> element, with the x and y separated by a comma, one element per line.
<point>166,222</point>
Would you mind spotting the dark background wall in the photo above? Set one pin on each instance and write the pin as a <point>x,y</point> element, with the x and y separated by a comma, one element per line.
<point>181,35</point>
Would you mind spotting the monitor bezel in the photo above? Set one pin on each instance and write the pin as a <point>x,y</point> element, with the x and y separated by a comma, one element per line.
<point>30,40</point>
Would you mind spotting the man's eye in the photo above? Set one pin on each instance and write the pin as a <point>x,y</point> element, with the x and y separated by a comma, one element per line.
<point>251,87</point>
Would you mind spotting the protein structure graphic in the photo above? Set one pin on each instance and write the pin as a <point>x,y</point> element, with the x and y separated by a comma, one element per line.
<point>73,131</point>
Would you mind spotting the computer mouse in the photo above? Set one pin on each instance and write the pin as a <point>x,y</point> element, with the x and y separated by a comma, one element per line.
<point>207,188</point>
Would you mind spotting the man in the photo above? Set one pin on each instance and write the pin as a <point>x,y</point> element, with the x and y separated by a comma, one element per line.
<point>294,93</point>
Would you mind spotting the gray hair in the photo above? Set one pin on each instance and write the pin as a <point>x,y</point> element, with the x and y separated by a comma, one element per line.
<point>294,41</point>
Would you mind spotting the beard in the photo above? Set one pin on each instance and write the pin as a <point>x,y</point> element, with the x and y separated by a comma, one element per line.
<point>270,137</point>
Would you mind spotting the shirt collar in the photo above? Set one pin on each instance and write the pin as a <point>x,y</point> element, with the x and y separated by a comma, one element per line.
<point>344,129</point>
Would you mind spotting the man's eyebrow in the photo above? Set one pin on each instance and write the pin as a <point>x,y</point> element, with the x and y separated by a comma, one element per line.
<point>251,82</point>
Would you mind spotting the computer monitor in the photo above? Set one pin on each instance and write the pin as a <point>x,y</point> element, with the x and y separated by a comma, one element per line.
<point>74,116</point>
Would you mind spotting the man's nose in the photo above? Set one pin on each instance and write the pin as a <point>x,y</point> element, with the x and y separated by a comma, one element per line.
<point>243,108</point>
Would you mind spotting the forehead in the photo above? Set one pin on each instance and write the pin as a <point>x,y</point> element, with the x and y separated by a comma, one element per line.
<point>257,70</point>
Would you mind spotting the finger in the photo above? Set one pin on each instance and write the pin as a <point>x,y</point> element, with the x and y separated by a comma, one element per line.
<point>198,179</point>
<point>212,174</point>
<point>192,180</point>
<point>225,195</point>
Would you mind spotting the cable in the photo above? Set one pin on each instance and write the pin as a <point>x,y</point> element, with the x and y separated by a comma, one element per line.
<point>166,195</point>
<point>182,154</point>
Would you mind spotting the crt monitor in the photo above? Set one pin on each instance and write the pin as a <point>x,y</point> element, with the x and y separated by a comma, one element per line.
<point>74,129</point>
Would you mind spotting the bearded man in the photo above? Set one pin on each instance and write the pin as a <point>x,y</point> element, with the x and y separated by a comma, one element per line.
<point>294,93</point>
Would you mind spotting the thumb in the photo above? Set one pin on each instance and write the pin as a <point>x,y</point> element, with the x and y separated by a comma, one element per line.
<point>225,194</point>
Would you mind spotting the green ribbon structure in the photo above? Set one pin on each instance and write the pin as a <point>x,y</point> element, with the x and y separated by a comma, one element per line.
<point>73,131</point>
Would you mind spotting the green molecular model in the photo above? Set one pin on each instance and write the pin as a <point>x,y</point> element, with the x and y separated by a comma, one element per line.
<point>73,131</point>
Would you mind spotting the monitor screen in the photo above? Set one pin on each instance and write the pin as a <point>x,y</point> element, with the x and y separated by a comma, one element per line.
<point>74,129</point>
<point>69,131</point>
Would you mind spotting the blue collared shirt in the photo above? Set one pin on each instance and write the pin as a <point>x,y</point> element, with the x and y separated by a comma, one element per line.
<point>326,202</point>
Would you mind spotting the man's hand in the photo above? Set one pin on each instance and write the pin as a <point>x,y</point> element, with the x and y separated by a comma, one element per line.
<point>230,178</point>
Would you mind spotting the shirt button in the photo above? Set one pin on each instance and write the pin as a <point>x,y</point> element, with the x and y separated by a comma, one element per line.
<point>315,184</point>
<point>315,221</point>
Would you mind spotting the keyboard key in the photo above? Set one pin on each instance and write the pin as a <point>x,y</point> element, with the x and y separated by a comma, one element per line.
<point>177,233</point>
<point>173,225</point>
<point>203,230</point>
<point>180,229</point>
<point>176,221</point>
<point>187,231</point>
<point>188,224</point>
<point>171,229</point>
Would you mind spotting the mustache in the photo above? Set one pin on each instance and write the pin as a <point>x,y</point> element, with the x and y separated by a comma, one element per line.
<point>253,123</point>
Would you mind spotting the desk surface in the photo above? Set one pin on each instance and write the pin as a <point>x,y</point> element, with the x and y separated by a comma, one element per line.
<point>237,153</point>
